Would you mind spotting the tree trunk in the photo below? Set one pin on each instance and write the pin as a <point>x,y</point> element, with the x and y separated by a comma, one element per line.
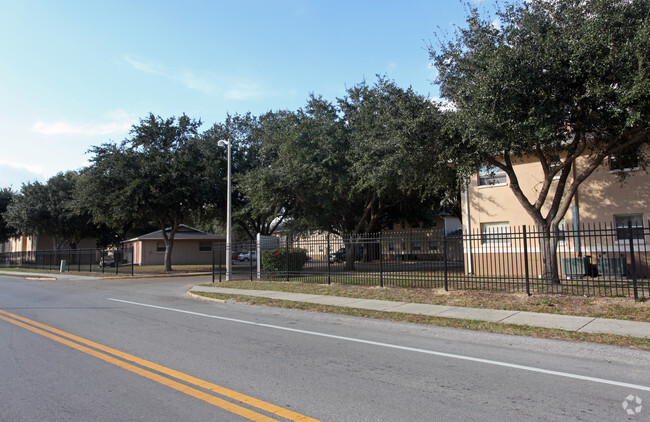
<point>548,249</point>
<point>350,253</point>
<point>169,244</point>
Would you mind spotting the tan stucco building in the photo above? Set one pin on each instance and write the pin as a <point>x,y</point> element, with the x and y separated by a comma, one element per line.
<point>489,201</point>
<point>191,247</point>
<point>41,242</point>
<point>599,216</point>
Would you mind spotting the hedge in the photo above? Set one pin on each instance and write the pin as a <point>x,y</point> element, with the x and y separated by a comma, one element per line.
<point>277,259</point>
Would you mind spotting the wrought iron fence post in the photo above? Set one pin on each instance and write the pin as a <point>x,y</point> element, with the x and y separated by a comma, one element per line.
<point>250,255</point>
<point>444,258</point>
<point>381,262</point>
<point>286,257</point>
<point>526,262</point>
<point>633,262</point>
<point>258,255</point>
<point>327,257</point>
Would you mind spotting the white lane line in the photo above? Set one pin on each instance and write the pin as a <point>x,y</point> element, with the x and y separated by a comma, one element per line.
<point>406,348</point>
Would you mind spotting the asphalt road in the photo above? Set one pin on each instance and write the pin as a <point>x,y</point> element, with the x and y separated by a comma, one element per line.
<point>119,342</point>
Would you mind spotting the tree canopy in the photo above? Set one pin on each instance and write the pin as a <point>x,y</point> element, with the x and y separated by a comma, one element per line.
<point>553,77</point>
<point>260,204</point>
<point>357,167</point>
<point>160,175</point>
<point>6,198</point>
<point>48,208</point>
<point>549,79</point>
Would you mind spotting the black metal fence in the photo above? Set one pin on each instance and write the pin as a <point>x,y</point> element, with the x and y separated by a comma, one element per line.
<point>243,256</point>
<point>107,261</point>
<point>594,260</point>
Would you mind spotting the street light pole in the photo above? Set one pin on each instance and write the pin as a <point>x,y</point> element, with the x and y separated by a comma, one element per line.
<point>226,143</point>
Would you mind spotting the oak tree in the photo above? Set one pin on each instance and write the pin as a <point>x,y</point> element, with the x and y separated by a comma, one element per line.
<point>549,79</point>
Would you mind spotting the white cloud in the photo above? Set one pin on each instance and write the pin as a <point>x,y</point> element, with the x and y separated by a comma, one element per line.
<point>444,105</point>
<point>432,70</point>
<point>32,168</point>
<point>196,82</point>
<point>146,67</point>
<point>205,82</point>
<point>119,122</point>
<point>245,92</point>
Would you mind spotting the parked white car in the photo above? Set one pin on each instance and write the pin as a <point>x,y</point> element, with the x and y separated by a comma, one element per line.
<point>247,256</point>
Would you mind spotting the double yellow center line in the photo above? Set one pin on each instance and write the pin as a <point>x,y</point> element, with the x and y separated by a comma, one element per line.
<point>162,374</point>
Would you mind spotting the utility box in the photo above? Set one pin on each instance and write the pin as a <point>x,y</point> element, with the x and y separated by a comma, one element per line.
<point>612,265</point>
<point>575,267</point>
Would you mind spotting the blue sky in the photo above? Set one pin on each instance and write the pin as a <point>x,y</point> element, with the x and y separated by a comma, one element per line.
<point>79,73</point>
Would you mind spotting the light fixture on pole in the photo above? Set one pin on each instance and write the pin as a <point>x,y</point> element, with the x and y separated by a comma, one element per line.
<point>226,143</point>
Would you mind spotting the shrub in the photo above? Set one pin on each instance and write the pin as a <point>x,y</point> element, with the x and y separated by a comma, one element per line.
<point>277,259</point>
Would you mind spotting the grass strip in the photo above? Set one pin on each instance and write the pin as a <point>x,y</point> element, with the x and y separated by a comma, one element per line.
<point>594,307</point>
<point>490,327</point>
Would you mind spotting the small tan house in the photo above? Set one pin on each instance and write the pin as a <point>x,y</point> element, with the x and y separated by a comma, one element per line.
<point>191,247</point>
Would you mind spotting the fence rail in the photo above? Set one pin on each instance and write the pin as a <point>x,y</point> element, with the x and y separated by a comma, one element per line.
<point>109,261</point>
<point>594,260</point>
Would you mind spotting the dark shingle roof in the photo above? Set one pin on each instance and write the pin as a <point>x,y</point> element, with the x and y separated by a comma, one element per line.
<point>184,233</point>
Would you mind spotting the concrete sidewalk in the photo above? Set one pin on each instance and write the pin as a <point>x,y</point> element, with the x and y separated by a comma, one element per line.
<point>563,322</point>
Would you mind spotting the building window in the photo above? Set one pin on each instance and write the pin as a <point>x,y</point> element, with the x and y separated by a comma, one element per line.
<point>622,223</point>
<point>489,175</point>
<point>433,247</point>
<point>311,249</point>
<point>320,248</point>
<point>621,162</point>
<point>160,247</point>
<point>205,246</point>
<point>495,233</point>
<point>415,246</point>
